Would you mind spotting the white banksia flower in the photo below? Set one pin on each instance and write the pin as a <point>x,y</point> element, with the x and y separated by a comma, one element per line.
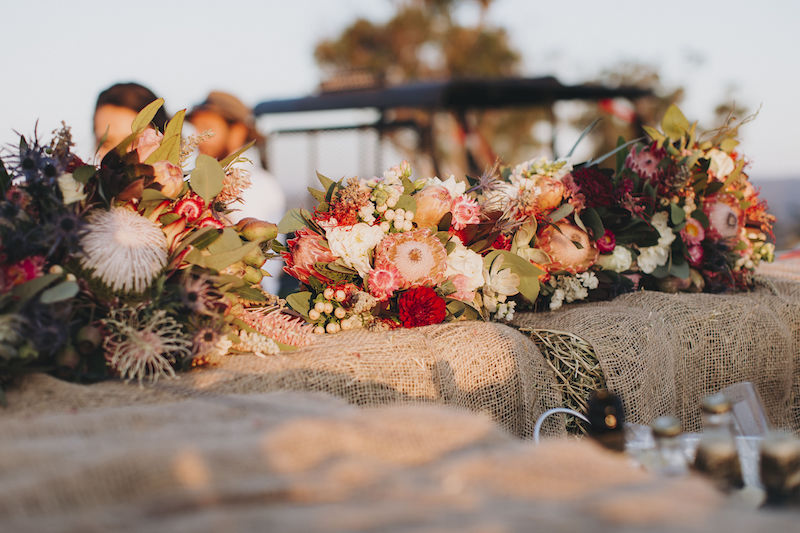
<point>256,343</point>
<point>140,346</point>
<point>126,250</point>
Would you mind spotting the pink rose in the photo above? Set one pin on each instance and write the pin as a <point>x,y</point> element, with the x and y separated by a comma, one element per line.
<point>463,288</point>
<point>169,176</point>
<point>465,211</point>
<point>432,204</point>
<point>146,143</point>
<point>384,280</point>
<point>306,249</point>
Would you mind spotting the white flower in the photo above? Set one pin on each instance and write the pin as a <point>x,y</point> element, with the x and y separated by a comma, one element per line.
<point>454,187</point>
<point>125,250</point>
<point>71,190</point>
<point>354,243</point>
<point>652,257</point>
<point>501,281</point>
<point>619,260</point>
<point>464,261</point>
<point>720,164</point>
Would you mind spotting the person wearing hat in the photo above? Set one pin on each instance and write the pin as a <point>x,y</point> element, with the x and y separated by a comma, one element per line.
<point>233,125</point>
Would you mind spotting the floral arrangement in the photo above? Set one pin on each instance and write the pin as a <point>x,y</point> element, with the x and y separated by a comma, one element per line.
<point>131,267</point>
<point>388,252</point>
<point>675,213</point>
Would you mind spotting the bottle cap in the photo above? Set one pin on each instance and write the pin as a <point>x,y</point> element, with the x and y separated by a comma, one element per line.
<point>716,404</point>
<point>666,426</point>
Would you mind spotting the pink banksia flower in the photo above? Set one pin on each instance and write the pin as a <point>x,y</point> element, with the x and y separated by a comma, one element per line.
<point>279,326</point>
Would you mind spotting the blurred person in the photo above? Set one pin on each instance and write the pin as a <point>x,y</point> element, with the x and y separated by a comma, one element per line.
<point>115,110</point>
<point>233,126</point>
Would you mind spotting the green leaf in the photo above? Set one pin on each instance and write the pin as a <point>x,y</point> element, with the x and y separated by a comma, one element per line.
<point>168,218</point>
<point>250,293</point>
<point>563,211</point>
<point>528,274</point>
<point>145,116</point>
<point>676,214</point>
<point>621,155</point>
<point>222,260</point>
<point>84,173</point>
<point>204,237</point>
<point>616,150</point>
<point>654,134</point>
<point>170,149</point>
<point>325,181</point>
<point>228,240</point>
<point>674,123</point>
<point>235,155</point>
<point>63,291</point>
<point>700,216</point>
<point>5,179</point>
<point>408,186</point>
<point>317,194</point>
<point>592,218</point>
<point>729,145</point>
<point>295,219</point>
<point>583,134</point>
<point>679,268</point>
<point>207,176</point>
<point>300,302</point>
<point>29,289</point>
<point>406,203</point>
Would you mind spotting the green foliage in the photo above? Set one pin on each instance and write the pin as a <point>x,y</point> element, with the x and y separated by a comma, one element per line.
<point>528,274</point>
<point>295,219</point>
<point>170,149</point>
<point>84,173</point>
<point>207,176</point>
<point>145,116</point>
<point>300,302</point>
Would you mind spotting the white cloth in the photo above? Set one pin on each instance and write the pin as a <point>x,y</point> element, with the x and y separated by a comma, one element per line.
<point>264,200</point>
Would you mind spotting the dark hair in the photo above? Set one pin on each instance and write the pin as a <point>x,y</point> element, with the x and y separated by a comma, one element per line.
<point>131,96</point>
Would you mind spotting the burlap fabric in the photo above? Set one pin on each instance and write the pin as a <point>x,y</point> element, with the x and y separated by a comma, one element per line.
<point>663,352</point>
<point>289,461</point>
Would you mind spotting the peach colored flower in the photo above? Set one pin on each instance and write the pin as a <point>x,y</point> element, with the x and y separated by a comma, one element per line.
<point>464,288</point>
<point>465,211</point>
<point>169,176</point>
<point>432,204</point>
<point>565,254</point>
<point>146,143</point>
<point>418,255</point>
<point>724,217</point>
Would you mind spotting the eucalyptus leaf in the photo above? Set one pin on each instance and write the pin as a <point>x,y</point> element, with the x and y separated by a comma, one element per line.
<point>29,289</point>
<point>583,134</point>
<point>325,181</point>
<point>317,194</point>
<point>145,116</point>
<point>207,176</point>
<point>676,214</point>
<point>5,179</point>
<point>563,211</point>
<point>250,293</point>
<point>300,302</point>
<point>60,292</point>
<point>228,240</point>
<point>170,149</point>
<point>592,219</point>
<point>619,148</point>
<point>84,173</point>
<point>406,203</point>
<point>295,219</point>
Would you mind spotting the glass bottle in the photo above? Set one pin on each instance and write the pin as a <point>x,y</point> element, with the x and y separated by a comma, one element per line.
<point>717,456</point>
<point>670,460</point>
<point>780,469</point>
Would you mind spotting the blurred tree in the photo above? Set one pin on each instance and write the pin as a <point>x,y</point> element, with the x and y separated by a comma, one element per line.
<point>423,41</point>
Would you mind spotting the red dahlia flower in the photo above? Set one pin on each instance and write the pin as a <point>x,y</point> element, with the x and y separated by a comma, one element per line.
<point>421,306</point>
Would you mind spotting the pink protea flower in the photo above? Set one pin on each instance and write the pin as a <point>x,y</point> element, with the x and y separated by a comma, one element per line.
<point>418,255</point>
<point>645,162</point>
<point>465,211</point>
<point>384,280</point>
<point>560,245</point>
<point>306,249</point>
<point>693,233</point>
<point>724,216</point>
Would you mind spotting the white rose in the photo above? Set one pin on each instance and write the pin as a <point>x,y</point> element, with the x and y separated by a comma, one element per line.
<point>354,243</point>
<point>619,260</point>
<point>651,258</point>
<point>71,190</point>
<point>721,164</point>
<point>464,261</point>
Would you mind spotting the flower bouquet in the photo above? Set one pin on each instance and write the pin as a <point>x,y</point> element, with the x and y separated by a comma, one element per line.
<point>129,268</point>
<point>676,212</point>
<point>388,252</point>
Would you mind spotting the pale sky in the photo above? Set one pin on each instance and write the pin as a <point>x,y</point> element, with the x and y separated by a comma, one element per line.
<point>57,55</point>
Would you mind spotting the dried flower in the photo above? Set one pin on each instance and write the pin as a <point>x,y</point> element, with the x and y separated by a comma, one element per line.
<point>139,345</point>
<point>256,343</point>
<point>125,250</point>
<point>277,325</point>
<point>236,181</point>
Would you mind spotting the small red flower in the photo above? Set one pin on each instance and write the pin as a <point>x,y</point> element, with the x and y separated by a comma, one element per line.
<point>421,306</point>
<point>606,243</point>
<point>502,242</point>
